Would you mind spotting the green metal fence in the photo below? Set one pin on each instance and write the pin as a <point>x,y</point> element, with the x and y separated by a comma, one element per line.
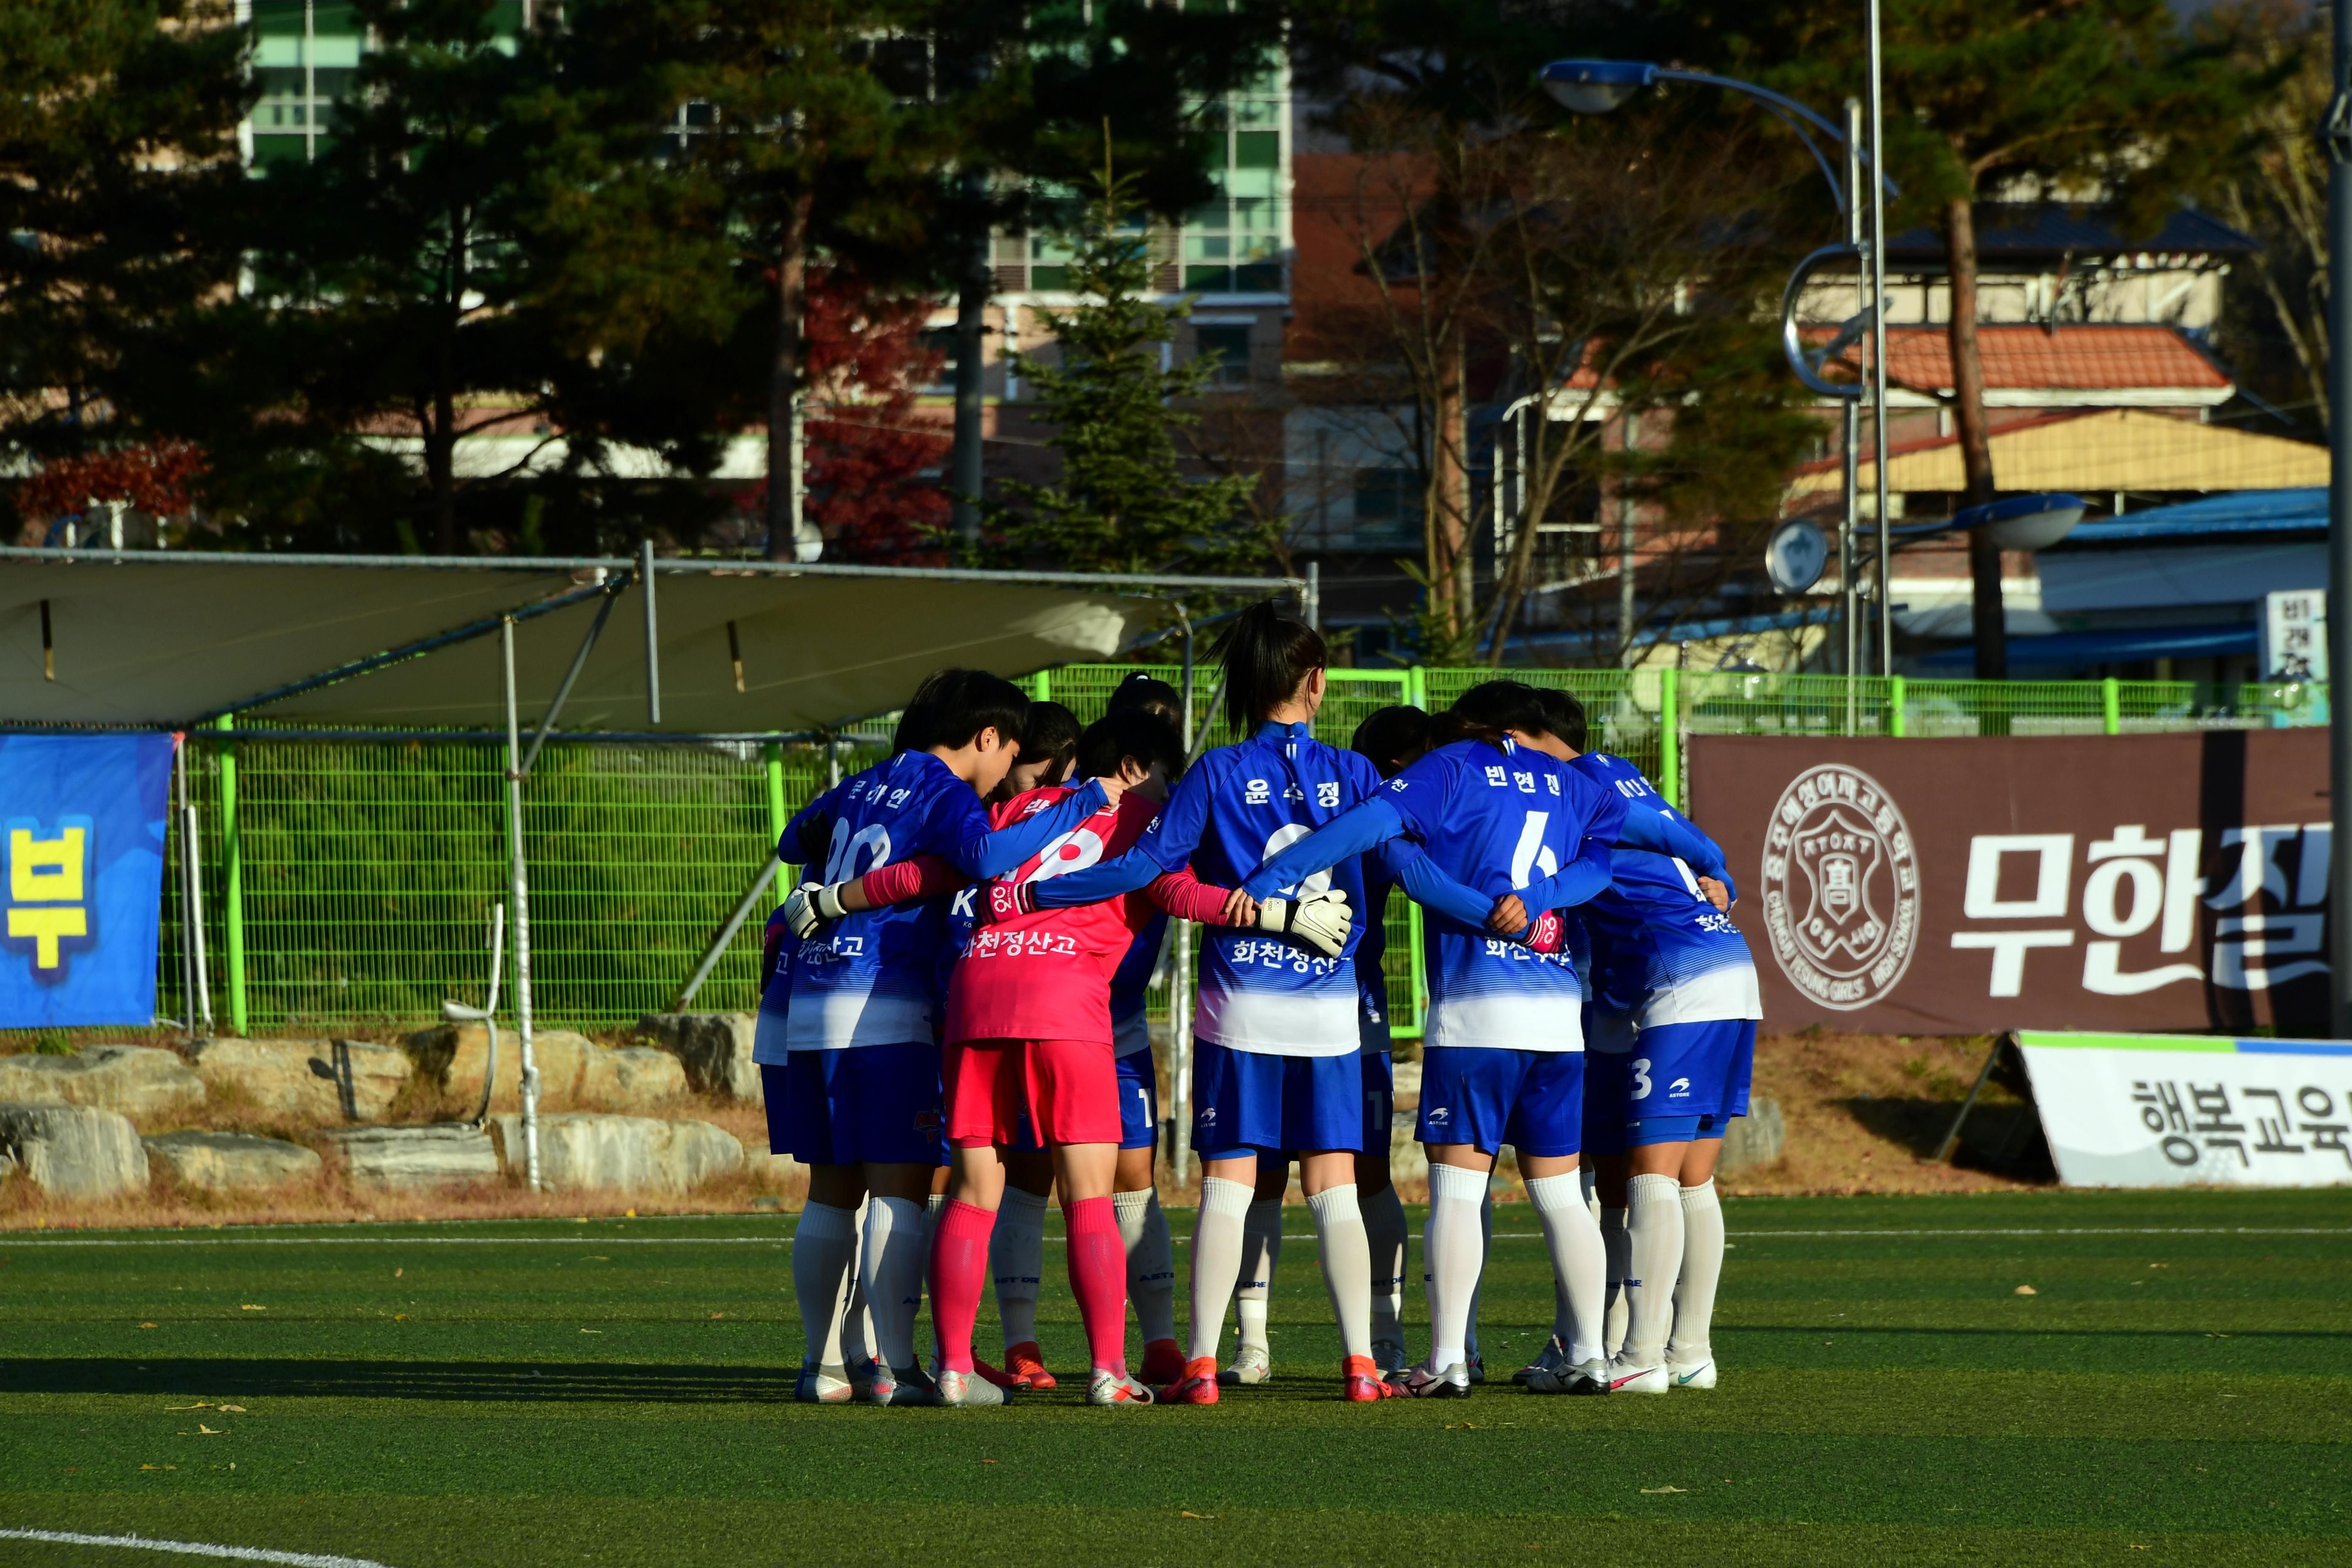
<point>350,881</point>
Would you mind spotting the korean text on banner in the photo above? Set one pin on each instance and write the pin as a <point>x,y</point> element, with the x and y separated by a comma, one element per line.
<point>82,822</point>
<point>2162,1111</point>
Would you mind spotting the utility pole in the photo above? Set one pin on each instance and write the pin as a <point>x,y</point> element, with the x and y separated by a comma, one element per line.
<point>965,471</point>
<point>2336,137</point>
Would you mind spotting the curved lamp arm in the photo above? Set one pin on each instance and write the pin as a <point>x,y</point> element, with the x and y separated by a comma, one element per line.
<point>1785,105</point>
<point>1791,341</point>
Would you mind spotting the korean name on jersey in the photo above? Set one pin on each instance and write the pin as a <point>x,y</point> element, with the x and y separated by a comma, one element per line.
<point>1660,952</point>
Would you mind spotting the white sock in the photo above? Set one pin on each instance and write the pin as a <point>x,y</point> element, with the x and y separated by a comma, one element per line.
<point>1451,1256</point>
<point>1485,1250</point>
<point>824,1249</point>
<point>1151,1262</point>
<point>1702,1270</point>
<point>1653,1222</point>
<point>1216,1258</point>
<point>1579,1264</point>
<point>1384,1233</point>
<point>1261,1255</point>
<point>892,1265</point>
<point>1016,1261</point>
<point>1347,1265</point>
<point>1621,1263</point>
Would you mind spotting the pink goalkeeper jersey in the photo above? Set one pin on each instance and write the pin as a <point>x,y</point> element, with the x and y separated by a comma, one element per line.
<point>1046,974</point>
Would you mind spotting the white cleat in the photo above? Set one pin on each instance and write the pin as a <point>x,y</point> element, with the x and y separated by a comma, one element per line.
<point>1693,1374</point>
<point>1627,1376</point>
<point>903,1385</point>
<point>825,1385</point>
<point>1102,1388</point>
<point>969,1390</point>
<point>1252,1363</point>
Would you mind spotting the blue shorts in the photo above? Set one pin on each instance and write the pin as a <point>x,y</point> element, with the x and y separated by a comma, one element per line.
<point>868,1105</point>
<point>1246,1102</point>
<point>1673,1083</point>
<point>1485,1097</point>
<point>1138,1107</point>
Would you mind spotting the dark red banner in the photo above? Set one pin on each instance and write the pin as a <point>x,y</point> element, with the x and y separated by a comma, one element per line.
<point>2148,883</point>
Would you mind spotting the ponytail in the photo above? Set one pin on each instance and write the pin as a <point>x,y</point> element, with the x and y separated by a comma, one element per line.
<point>1266,657</point>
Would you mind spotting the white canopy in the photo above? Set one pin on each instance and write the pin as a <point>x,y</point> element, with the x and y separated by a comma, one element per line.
<point>168,638</point>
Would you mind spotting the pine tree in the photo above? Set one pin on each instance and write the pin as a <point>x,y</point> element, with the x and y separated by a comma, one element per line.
<point>1123,503</point>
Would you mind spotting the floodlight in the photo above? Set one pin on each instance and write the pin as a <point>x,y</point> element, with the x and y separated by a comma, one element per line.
<point>1595,87</point>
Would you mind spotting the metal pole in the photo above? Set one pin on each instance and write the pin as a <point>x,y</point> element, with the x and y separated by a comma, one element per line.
<point>233,883</point>
<point>1849,524</point>
<point>1311,601</point>
<point>726,937</point>
<point>1878,343</point>
<point>2337,137</point>
<point>187,898</point>
<point>191,859</point>
<point>520,891</point>
<point>653,633</point>
<point>572,677</point>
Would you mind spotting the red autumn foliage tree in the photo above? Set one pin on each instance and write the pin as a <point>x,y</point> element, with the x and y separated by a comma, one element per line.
<point>874,482</point>
<point>153,478</point>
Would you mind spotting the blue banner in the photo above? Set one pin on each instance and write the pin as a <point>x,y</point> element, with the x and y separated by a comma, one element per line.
<point>83,823</point>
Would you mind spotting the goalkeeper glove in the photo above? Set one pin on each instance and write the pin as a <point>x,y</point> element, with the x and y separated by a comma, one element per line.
<point>1321,921</point>
<point>812,904</point>
<point>1007,900</point>
<point>1547,934</point>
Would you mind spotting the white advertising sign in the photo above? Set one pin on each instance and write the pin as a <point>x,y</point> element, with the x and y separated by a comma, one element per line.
<point>2295,635</point>
<point>2169,1110</point>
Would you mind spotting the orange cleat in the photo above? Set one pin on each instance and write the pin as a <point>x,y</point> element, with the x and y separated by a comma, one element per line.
<point>988,1373</point>
<point>1025,1365</point>
<point>1197,1386</point>
<point>1360,1378</point>
<point>1163,1364</point>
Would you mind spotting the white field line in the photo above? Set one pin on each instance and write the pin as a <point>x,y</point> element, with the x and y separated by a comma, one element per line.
<point>189,1548</point>
<point>14,1241</point>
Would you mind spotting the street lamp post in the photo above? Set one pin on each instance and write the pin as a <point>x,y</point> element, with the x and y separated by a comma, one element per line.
<point>1597,87</point>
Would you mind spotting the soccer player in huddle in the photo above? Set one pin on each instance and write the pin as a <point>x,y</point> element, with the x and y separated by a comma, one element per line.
<point>1674,1010</point>
<point>1503,1058</point>
<point>858,1092</point>
<point>1278,1059</point>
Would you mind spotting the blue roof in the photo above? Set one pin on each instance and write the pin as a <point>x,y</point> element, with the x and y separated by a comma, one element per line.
<point>2071,649</point>
<point>2239,511</point>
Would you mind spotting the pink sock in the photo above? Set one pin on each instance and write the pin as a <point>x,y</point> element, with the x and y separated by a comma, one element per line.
<point>1098,1280</point>
<point>959,1274</point>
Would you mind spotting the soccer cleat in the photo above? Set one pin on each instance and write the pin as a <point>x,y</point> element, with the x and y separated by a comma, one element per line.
<point>1551,1359</point>
<point>969,1391</point>
<point>903,1385</point>
<point>1163,1364</point>
<point>1627,1376</point>
<point>1252,1363</point>
<point>1197,1386</point>
<point>861,1378</point>
<point>1025,1364</point>
<point>1697,1374</point>
<point>1001,1379</point>
<point>1421,1383</point>
<point>1592,1377</point>
<point>823,1384</point>
<point>1389,1356</point>
<point>1106,1388</point>
<point>1476,1367</point>
<point>1360,1382</point>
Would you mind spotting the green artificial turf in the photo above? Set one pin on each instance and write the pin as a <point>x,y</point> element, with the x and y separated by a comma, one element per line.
<point>2179,1387</point>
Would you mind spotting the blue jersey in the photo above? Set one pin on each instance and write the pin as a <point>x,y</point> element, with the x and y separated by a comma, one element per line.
<point>1235,807</point>
<point>1660,951</point>
<point>872,978</point>
<point>1130,1031</point>
<point>1496,820</point>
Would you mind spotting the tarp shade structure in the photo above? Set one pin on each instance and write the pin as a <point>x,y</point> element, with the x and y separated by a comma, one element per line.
<point>142,641</point>
<point>815,651</point>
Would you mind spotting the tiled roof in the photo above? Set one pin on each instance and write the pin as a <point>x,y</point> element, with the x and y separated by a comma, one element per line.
<point>2033,358</point>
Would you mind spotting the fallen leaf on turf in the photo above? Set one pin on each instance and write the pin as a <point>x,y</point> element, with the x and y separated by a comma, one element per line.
<point>198,1405</point>
<point>628,1214</point>
<point>988,1461</point>
<point>146,1325</point>
<point>250,1307</point>
<point>204,1431</point>
<point>400,1317</point>
<point>1655,1491</point>
<point>1462,1427</point>
<point>2027,1291</point>
<point>1187,1513</point>
<point>2157,1266</point>
<point>591,1330</point>
<point>231,1409</point>
<point>398,1272</point>
<point>159,1467</point>
<point>716,1316</point>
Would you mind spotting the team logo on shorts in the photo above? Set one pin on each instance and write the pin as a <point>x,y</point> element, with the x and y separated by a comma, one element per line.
<point>1840,887</point>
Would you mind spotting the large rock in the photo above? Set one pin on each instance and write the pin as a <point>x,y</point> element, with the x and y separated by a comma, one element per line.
<point>581,1152</point>
<point>715,1048</point>
<point>572,1068</point>
<point>135,1080</point>
<point>74,1151</point>
<point>1755,1141</point>
<point>408,1159</point>
<point>230,1161</point>
<point>307,1080</point>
